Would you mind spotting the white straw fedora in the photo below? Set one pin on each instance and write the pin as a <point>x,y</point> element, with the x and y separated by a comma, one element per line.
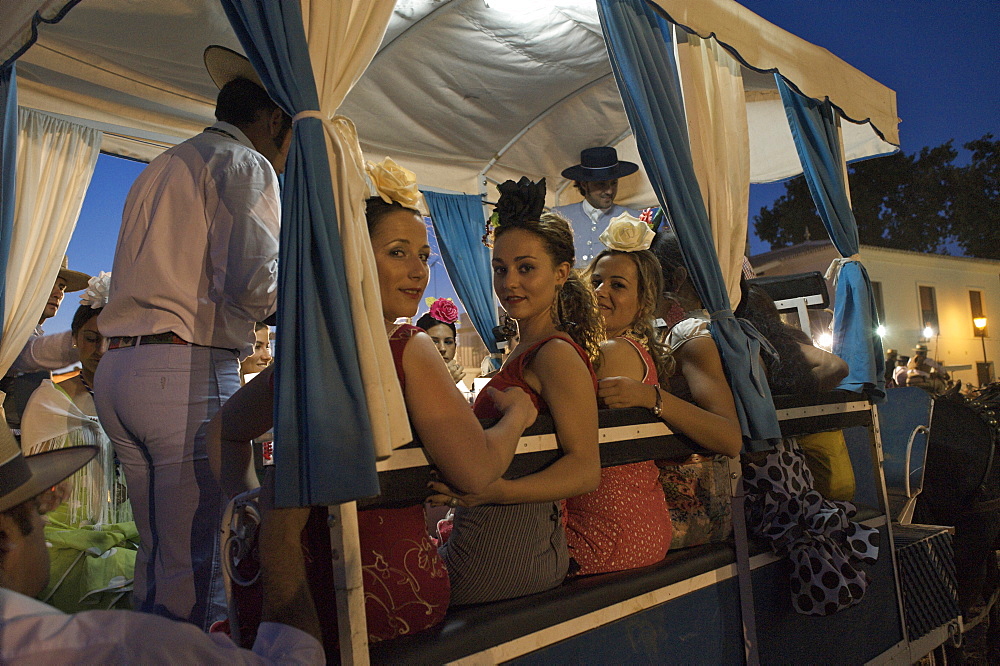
<point>224,65</point>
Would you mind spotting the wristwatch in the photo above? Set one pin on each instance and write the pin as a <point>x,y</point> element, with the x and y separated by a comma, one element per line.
<point>658,407</point>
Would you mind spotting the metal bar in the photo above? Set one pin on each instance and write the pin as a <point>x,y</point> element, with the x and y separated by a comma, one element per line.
<point>878,457</point>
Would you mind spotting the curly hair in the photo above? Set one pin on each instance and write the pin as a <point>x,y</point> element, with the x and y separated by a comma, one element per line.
<point>648,289</point>
<point>576,310</point>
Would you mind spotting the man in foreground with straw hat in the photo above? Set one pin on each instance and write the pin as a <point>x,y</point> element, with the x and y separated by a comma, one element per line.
<point>33,632</point>
<point>43,353</point>
<point>195,266</point>
<point>596,178</point>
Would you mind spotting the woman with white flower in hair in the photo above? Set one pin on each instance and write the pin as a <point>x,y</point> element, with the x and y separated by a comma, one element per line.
<point>625,523</point>
<point>91,513</point>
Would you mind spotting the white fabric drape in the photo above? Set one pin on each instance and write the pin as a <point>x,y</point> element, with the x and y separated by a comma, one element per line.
<point>715,104</point>
<point>52,421</point>
<point>55,161</point>
<point>343,38</point>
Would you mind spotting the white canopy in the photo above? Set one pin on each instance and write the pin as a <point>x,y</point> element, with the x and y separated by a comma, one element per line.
<point>457,89</point>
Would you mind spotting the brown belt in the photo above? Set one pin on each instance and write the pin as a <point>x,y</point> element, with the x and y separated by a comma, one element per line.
<point>169,338</point>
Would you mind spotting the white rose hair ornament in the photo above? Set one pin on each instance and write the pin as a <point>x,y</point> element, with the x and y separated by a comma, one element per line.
<point>626,233</point>
<point>394,184</point>
<point>519,204</point>
<point>98,291</point>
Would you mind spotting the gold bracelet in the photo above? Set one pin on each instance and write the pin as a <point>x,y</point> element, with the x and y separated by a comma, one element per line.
<point>658,407</point>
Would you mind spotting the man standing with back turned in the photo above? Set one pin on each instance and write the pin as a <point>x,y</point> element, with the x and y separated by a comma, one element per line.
<point>195,266</point>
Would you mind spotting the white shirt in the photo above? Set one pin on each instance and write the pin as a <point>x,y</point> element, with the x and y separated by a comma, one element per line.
<point>197,254</point>
<point>36,633</point>
<point>45,352</point>
<point>588,224</point>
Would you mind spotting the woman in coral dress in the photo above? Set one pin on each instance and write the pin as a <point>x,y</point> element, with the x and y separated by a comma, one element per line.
<point>625,523</point>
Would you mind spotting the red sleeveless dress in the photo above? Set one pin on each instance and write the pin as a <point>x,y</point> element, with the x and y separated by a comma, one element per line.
<point>405,580</point>
<point>625,523</point>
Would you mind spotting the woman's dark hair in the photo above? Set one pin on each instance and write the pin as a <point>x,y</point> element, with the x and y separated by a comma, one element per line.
<point>576,310</point>
<point>790,372</point>
<point>376,208</point>
<point>668,251</point>
<point>428,322</point>
<point>83,314</point>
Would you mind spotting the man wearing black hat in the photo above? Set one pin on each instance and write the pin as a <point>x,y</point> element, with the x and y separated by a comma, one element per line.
<point>195,267</point>
<point>596,177</point>
<point>43,353</point>
<point>33,632</point>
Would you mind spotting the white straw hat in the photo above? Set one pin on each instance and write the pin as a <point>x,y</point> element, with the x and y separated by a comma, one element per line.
<point>224,65</point>
<point>23,477</point>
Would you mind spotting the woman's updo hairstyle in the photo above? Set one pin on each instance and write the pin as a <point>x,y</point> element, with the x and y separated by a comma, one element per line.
<point>428,322</point>
<point>668,251</point>
<point>83,314</point>
<point>442,311</point>
<point>649,288</point>
<point>376,208</point>
<point>520,207</point>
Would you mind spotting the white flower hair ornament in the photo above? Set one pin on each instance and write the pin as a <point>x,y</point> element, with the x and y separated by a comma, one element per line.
<point>395,184</point>
<point>96,295</point>
<point>626,233</point>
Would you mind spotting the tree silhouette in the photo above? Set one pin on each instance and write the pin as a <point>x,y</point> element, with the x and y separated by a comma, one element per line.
<point>921,202</point>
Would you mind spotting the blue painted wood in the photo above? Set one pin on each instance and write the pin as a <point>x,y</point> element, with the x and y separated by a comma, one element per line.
<point>852,636</point>
<point>700,627</point>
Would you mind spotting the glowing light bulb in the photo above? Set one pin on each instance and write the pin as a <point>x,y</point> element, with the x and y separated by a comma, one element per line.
<point>928,332</point>
<point>824,341</point>
<point>880,331</point>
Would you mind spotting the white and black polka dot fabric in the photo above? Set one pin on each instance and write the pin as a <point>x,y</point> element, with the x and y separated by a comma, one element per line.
<point>825,548</point>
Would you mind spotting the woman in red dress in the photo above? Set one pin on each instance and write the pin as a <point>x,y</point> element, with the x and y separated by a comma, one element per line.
<point>509,540</point>
<point>406,583</point>
<point>625,523</point>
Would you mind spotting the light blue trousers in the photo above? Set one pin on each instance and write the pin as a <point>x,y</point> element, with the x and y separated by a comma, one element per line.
<point>154,402</point>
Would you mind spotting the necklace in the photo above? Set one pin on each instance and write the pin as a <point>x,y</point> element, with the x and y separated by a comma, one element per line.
<point>393,330</point>
<point>86,384</point>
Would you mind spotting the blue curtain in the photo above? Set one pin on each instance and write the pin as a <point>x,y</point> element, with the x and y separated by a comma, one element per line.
<point>458,222</point>
<point>8,173</point>
<point>814,129</point>
<point>639,45</point>
<point>323,440</point>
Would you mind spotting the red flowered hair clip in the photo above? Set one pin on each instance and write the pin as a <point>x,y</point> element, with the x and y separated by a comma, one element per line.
<point>442,309</point>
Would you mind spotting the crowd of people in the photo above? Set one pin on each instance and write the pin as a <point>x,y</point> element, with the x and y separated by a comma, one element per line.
<point>603,314</point>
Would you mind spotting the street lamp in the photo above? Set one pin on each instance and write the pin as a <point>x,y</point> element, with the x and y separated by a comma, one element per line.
<point>980,324</point>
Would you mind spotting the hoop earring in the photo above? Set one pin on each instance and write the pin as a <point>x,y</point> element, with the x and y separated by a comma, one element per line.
<point>560,318</point>
<point>507,329</point>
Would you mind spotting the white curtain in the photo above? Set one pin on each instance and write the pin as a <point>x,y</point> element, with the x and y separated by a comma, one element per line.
<point>343,37</point>
<point>55,161</point>
<point>715,103</point>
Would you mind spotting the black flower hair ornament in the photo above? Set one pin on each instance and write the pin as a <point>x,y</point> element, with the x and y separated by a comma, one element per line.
<point>519,202</point>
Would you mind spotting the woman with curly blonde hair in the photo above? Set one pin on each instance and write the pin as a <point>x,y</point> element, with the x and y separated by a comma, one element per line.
<point>509,540</point>
<point>625,523</point>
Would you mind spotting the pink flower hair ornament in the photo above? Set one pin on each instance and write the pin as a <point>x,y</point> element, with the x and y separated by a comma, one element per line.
<point>442,309</point>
